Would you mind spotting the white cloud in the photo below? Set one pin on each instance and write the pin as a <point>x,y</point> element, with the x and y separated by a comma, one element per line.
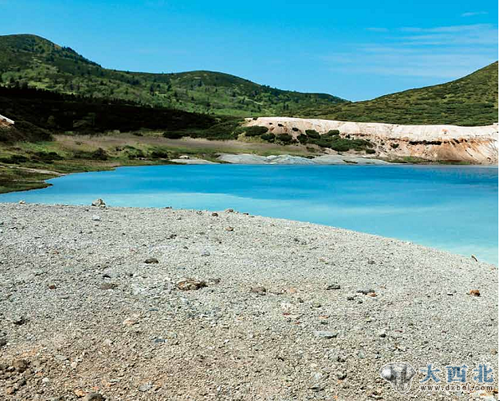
<point>443,53</point>
<point>478,34</point>
<point>374,29</point>
<point>474,13</point>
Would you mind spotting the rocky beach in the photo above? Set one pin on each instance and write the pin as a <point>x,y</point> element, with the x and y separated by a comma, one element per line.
<point>115,303</point>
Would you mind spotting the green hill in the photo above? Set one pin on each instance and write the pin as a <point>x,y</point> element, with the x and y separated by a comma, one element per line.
<point>472,100</point>
<point>36,62</point>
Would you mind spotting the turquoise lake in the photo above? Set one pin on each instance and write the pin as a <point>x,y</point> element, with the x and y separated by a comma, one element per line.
<point>451,208</point>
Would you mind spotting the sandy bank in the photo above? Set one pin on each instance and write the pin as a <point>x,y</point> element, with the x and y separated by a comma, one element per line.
<point>286,310</point>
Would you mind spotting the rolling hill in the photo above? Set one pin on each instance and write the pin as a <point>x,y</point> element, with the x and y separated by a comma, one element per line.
<point>29,60</point>
<point>468,101</point>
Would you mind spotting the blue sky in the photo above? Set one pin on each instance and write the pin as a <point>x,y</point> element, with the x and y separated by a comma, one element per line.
<point>353,49</point>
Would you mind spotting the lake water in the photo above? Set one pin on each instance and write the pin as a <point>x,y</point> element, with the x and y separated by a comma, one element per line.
<point>452,208</point>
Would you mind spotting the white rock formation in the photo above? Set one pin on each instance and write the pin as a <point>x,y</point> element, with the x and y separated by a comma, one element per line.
<point>477,145</point>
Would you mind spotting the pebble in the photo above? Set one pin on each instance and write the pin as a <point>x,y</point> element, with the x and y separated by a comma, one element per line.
<point>94,397</point>
<point>382,333</point>
<point>326,334</point>
<point>341,375</point>
<point>95,217</point>
<point>150,261</point>
<point>365,291</point>
<point>205,253</point>
<point>190,284</point>
<point>19,320</point>
<point>130,321</point>
<point>108,286</point>
<point>145,387</point>
<point>258,290</point>
<point>99,203</point>
<point>333,287</point>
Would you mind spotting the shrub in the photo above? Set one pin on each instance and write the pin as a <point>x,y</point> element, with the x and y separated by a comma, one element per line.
<point>173,135</point>
<point>14,159</point>
<point>311,133</point>
<point>333,132</point>
<point>256,130</point>
<point>394,145</point>
<point>285,138</point>
<point>268,137</point>
<point>47,156</point>
<point>159,154</point>
<point>302,138</point>
<point>370,151</point>
<point>135,153</point>
<point>100,154</point>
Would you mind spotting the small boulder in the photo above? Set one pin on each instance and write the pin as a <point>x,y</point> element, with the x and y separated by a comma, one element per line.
<point>190,284</point>
<point>475,293</point>
<point>150,261</point>
<point>99,203</point>
<point>95,217</point>
<point>365,291</point>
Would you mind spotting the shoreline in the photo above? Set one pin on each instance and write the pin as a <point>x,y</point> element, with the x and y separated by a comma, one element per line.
<point>39,177</point>
<point>304,310</point>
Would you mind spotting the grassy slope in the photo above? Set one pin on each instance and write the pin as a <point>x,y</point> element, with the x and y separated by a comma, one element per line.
<point>472,100</point>
<point>37,62</point>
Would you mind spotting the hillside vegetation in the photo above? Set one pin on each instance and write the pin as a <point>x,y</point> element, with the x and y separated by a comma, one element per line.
<point>469,101</point>
<point>29,60</point>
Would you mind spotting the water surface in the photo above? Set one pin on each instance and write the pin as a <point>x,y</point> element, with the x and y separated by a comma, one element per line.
<point>452,208</point>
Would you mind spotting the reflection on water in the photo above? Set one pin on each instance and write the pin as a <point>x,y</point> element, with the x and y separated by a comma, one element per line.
<point>452,208</point>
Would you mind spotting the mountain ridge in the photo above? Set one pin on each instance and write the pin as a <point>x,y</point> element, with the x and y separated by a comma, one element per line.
<point>37,62</point>
<point>467,101</point>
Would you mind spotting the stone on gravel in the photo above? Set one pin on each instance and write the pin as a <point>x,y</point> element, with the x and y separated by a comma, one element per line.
<point>333,287</point>
<point>258,290</point>
<point>108,286</point>
<point>326,334</point>
<point>99,203</point>
<point>365,291</point>
<point>150,261</point>
<point>95,217</point>
<point>94,397</point>
<point>190,284</point>
<point>475,293</point>
<point>145,387</point>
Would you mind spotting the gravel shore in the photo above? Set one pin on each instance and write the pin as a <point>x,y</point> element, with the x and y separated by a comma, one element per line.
<point>162,304</point>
